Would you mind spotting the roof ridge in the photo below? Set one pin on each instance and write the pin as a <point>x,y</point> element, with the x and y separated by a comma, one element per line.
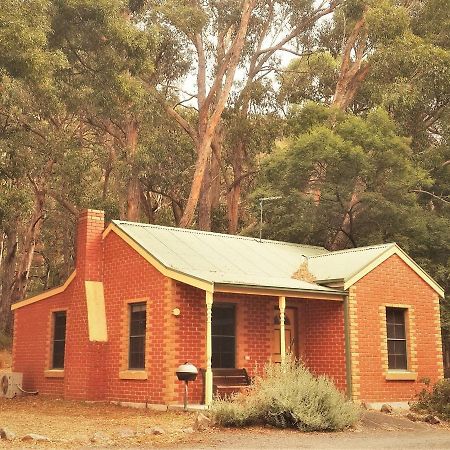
<point>353,250</point>
<point>232,236</point>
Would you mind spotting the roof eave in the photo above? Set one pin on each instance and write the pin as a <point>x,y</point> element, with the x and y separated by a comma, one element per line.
<point>278,291</point>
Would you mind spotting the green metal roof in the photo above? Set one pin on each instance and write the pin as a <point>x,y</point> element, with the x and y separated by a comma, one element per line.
<point>236,260</point>
<point>344,264</point>
<point>223,258</point>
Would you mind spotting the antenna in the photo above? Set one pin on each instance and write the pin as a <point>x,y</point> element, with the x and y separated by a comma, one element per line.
<point>261,201</point>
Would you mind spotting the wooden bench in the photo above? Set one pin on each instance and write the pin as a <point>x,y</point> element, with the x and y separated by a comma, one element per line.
<point>227,382</point>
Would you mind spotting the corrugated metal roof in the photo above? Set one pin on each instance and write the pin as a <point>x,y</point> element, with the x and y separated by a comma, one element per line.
<point>238,260</point>
<point>342,265</point>
<point>223,258</point>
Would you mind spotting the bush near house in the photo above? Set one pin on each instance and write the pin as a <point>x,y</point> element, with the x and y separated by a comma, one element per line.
<point>435,401</point>
<point>288,395</point>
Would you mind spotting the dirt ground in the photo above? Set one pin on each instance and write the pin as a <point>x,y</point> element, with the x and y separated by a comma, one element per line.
<point>70,424</point>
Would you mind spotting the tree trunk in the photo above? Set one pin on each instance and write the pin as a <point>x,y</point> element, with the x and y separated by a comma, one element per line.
<point>234,191</point>
<point>133,188</point>
<point>220,92</point>
<point>344,235</point>
<point>204,203</point>
<point>29,245</point>
<point>7,277</point>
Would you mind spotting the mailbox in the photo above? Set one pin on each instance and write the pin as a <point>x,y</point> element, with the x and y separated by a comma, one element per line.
<point>187,372</point>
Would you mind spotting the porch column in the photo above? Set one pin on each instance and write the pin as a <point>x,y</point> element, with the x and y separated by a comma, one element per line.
<point>282,306</point>
<point>208,373</point>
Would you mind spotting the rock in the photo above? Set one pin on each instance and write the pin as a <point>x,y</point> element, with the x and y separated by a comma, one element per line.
<point>188,430</point>
<point>412,417</point>
<point>35,437</point>
<point>154,430</point>
<point>126,433</point>
<point>431,419</point>
<point>387,409</point>
<point>6,434</point>
<point>202,422</point>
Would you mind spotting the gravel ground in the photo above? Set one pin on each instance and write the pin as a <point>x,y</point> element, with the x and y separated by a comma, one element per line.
<point>70,424</point>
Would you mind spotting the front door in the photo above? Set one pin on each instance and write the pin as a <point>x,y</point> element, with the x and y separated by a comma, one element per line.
<point>290,332</point>
<point>223,330</point>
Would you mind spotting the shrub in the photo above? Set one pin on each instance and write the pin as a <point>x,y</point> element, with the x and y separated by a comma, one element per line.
<point>288,395</point>
<point>435,401</point>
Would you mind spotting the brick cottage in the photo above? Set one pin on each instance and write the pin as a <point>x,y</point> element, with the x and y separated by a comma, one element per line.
<point>144,299</point>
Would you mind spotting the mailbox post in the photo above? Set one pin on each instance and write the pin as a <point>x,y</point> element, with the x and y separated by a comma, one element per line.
<point>186,372</point>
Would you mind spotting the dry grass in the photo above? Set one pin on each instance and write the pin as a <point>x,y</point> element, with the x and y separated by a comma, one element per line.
<point>71,424</point>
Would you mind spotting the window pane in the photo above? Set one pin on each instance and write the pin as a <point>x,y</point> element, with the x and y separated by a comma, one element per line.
<point>401,362</point>
<point>58,354</point>
<point>59,339</point>
<point>138,323</point>
<point>396,338</point>
<point>59,326</point>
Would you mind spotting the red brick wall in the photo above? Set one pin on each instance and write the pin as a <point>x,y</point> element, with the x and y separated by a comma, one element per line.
<point>128,276</point>
<point>324,340</point>
<point>31,344</point>
<point>190,339</point>
<point>393,282</point>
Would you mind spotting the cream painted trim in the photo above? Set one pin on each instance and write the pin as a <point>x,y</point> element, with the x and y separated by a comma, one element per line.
<point>95,300</point>
<point>278,292</point>
<point>54,373</point>
<point>44,295</point>
<point>209,300</point>
<point>187,279</point>
<point>401,376</point>
<point>133,375</point>
<point>282,308</point>
<point>395,250</point>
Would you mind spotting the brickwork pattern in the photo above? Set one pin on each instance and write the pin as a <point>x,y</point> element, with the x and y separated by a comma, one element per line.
<point>325,340</point>
<point>393,283</point>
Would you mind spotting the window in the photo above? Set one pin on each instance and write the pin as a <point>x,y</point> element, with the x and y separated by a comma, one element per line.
<point>223,336</point>
<point>396,338</point>
<point>59,339</point>
<point>138,323</point>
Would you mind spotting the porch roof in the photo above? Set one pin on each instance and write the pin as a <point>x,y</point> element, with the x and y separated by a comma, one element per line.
<point>225,259</point>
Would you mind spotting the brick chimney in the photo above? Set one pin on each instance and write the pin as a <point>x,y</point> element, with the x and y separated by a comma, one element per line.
<point>89,262</point>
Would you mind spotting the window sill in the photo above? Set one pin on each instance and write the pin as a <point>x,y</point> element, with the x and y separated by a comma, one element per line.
<point>54,373</point>
<point>133,375</point>
<point>401,376</point>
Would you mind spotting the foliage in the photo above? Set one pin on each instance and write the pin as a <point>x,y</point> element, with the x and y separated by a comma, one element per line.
<point>89,91</point>
<point>5,341</point>
<point>288,396</point>
<point>435,401</point>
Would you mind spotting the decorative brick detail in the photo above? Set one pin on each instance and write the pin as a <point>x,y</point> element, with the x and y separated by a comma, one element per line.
<point>410,324</point>
<point>354,343</point>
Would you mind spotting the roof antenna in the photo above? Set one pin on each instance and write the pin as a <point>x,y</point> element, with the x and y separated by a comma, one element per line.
<point>261,201</point>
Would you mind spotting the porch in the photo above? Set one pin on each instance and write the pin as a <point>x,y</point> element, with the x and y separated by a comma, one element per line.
<point>246,330</point>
